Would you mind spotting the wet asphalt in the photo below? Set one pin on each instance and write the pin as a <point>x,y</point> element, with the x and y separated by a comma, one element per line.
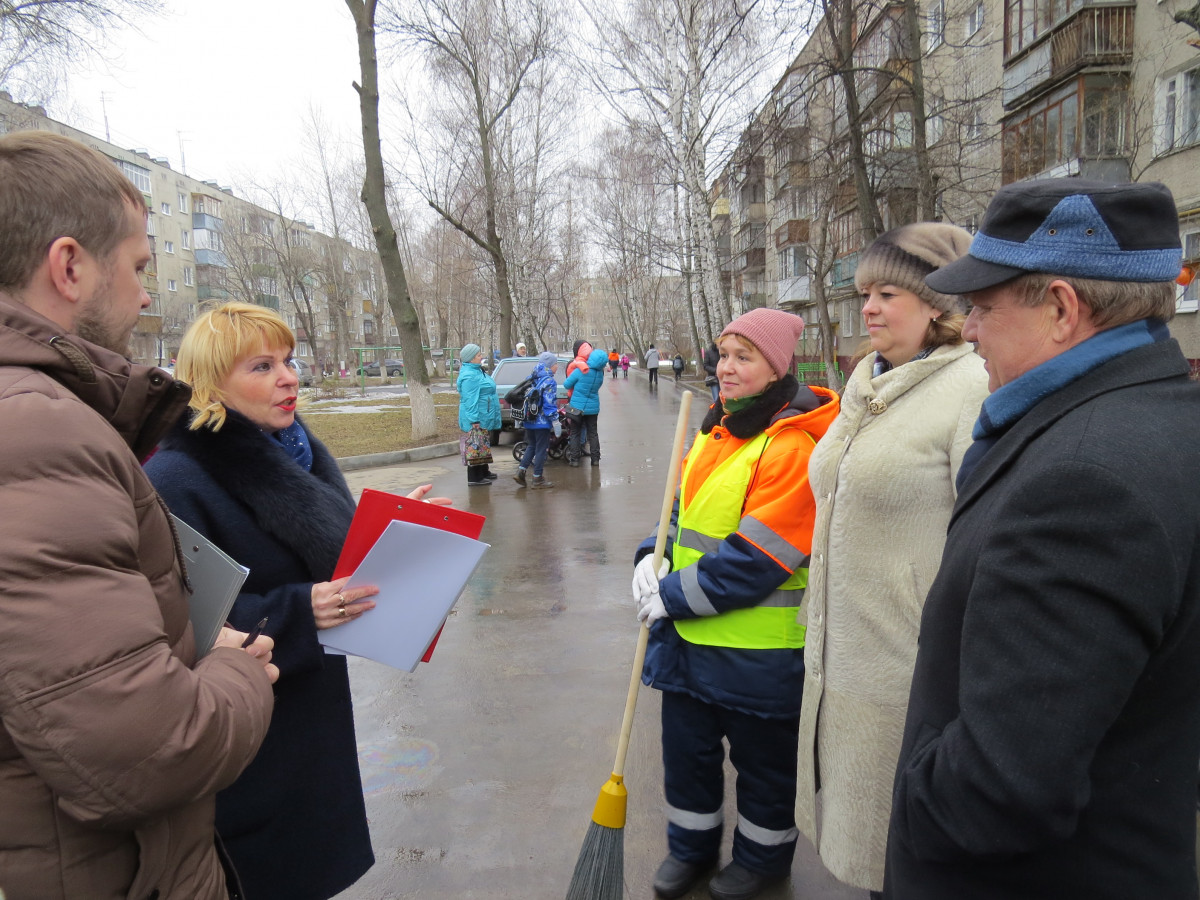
<point>482,767</point>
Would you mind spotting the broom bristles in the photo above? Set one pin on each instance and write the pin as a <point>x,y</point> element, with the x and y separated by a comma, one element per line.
<point>600,870</point>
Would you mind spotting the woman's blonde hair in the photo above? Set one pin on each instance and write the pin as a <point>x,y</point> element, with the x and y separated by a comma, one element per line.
<point>214,344</point>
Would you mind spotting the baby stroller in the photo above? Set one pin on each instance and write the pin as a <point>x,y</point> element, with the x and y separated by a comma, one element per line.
<point>558,445</point>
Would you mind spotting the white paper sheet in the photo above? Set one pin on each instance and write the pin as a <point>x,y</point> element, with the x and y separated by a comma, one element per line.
<point>420,572</point>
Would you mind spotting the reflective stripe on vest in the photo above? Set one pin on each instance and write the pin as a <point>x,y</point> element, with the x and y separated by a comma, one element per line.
<point>714,513</point>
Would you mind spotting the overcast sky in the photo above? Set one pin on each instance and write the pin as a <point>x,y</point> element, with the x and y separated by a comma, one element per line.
<point>233,78</point>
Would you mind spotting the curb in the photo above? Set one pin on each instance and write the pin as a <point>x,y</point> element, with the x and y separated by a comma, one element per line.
<point>396,457</point>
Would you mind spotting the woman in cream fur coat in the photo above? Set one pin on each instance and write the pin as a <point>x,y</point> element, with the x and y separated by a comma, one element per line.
<point>883,477</point>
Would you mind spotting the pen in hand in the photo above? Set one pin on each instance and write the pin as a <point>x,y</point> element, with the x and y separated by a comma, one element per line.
<point>253,635</point>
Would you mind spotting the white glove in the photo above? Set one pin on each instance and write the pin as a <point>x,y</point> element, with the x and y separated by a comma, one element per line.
<point>645,582</point>
<point>557,426</point>
<point>652,609</point>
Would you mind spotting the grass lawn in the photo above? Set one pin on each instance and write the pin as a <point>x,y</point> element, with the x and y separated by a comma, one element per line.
<point>387,426</point>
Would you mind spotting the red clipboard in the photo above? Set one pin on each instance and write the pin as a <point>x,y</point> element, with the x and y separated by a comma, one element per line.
<point>377,509</point>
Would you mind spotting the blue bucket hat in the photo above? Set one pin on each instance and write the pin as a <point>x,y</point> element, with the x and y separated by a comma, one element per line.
<point>1070,227</point>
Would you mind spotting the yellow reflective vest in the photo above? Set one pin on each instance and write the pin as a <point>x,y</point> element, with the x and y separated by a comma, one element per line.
<point>713,514</point>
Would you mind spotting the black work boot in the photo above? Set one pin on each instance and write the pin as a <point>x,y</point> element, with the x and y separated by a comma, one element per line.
<point>736,882</point>
<point>675,878</point>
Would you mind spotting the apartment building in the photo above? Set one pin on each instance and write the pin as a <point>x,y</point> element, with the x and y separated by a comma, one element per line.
<point>208,245</point>
<point>1010,90</point>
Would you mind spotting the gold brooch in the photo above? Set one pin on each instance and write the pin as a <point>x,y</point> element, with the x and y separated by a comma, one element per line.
<point>876,406</point>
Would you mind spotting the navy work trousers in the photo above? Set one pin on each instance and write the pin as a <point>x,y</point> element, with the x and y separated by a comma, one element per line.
<point>763,751</point>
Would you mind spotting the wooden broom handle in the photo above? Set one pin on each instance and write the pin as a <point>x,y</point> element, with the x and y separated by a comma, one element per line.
<point>660,547</point>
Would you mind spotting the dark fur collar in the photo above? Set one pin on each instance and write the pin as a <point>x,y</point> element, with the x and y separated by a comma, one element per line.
<point>308,512</point>
<point>783,399</point>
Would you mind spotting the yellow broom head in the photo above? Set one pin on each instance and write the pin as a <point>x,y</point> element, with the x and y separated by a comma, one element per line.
<point>610,805</point>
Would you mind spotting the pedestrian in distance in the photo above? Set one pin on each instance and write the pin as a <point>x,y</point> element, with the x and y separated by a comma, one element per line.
<point>711,357</point>
<point>725,647</point>
<point>538,430</point>
<point>1053,725</point>
<point>584,407</point>
<point>614,360</point>
<point>115,732</point>
<point>521,351</point>
<point>677,367</point>
<point>625,366</point>
<point>883,479</point>
<point>652,366</point>
<point>244,470</point>
<point>478,416</point>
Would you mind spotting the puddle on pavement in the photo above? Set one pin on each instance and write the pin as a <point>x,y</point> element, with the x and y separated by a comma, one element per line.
<point>397,764</point>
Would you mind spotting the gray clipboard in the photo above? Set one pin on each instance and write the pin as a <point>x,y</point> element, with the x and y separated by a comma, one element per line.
<point>216,579</point>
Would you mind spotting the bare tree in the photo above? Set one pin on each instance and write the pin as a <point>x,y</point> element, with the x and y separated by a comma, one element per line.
<point>41,38</point>
<point>374,197</point>
<point>686,67</point>
<point>482,55</point>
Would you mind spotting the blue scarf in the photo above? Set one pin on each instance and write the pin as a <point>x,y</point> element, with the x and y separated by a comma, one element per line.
<point>1005,407</point>
<point>294,440</point>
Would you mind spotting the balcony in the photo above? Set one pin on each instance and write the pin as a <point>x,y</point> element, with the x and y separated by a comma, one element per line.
<point>793,231</point>
<point>842,274</point>
<point>754,259</point>
<point>270,301</point>
<point>205,222</point>
<point>149,323</point>
<point>1093,36</point>
<point>211,258</point>
<point>263,270</point>
<point>211,292</point>
<point>792,292</point>
<point>720,208</point>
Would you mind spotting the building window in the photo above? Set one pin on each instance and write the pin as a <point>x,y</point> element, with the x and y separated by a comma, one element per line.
<point>188,277</point>
<point>1187,299</point>
<point>849,314</point>
<point>973,130</point>
<point>185,240</point>
<point>172,284</point>
<point>151,228</point>
<point>935,122</point>
<point>183,204</point>
<point>974,20</point>
<point>169,246</point>
<point>165,209</point>
<point>1177,118</point>
<point>936,32</point>
<point>137,174</point>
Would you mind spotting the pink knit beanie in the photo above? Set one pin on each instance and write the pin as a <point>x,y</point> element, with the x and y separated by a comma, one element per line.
<point>773,331</point>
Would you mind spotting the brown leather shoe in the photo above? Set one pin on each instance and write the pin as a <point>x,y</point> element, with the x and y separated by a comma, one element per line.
<point>519,478</point>
<point>539,481</point>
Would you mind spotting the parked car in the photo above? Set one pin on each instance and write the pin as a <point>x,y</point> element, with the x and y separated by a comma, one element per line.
<point>305,371</point>
<point>391,366</point>
<point>512,370</point>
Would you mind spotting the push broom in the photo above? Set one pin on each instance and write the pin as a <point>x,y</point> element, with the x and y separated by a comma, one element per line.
<point>600,870</point>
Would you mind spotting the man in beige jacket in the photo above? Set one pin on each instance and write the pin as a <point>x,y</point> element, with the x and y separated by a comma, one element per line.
<point>114,738</point>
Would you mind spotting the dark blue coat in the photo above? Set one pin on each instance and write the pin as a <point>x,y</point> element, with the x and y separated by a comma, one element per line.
<point>294,821</point>
<point>1053,728</point>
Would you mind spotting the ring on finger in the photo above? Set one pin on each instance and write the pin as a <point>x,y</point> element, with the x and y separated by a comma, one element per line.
<point>341,612</point>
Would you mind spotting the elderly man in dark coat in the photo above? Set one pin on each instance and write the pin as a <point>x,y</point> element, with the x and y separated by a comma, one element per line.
<point>1054,723</point>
